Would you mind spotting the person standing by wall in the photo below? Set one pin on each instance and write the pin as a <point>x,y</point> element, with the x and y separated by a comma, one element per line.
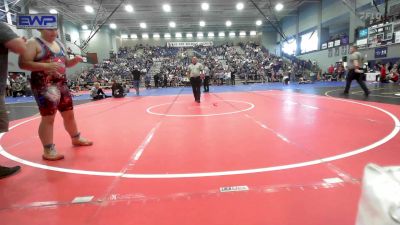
<point>8,41</point>
<point>195,71</point>
<point>136,79</point>
<point>355,70</point>
<point>156,79</point>
<point>206,79</point>
<point>233,75</point>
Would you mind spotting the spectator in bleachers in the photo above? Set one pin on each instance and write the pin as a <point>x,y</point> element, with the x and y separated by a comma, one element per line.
<point>341,72</point>
<point>383,73</point>
<point>394,74</point>
<point>331,70</point>
<point>233,76</point>
<point>251,62</point>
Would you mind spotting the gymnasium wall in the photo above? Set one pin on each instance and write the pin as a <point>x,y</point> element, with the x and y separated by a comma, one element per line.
<point>324,61</point>
<point>268,40</point>
<point>308,16</point>
<point>101,43</point>
<point>335,18</point>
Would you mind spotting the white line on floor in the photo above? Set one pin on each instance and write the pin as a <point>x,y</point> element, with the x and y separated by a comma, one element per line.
<point>146,142</point>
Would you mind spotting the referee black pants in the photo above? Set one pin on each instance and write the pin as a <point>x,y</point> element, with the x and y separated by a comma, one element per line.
<point>206,84</point>
<point>196,85</point>
<point>352,75</point>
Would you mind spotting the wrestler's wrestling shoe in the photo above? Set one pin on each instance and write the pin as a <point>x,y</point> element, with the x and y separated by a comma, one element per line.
<point>50,153</point>
<point>77,141</point>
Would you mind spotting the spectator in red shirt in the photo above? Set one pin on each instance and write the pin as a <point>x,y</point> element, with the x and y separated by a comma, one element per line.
<point>394,74</point>
<point>383,78</point>
<point>331,70</point>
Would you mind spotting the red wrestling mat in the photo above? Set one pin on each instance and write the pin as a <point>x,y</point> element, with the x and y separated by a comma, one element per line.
<point>237,158</point>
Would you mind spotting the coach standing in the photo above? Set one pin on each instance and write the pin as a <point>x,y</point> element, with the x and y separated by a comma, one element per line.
<point>196,74</point>
<point>8,41</point>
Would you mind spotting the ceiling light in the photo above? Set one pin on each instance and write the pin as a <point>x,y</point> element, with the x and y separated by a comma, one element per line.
<point>200,34</point>
<point>89,9</point>
<point>53,11</point>
<point>85,27</point>
<point>125,36</point>
<point>258,22</point>
<point>239,6</point>
<point>113,26</point>
<point>228,23</point>
<point>205,6</point>
<point>143,25</point>
<point>166,8</point>
<point>172,24</point>
<point>134,36</point>
<point>210,34</point>
<point>202,23</point>
<point>189,35</point>
<point>156,35</point>
<point>279,7</point>
<point>129,8</point>
<point>221,34</point>
<point>242,33</point>
<point>145,36</point>
<point>178,35</point>
<point>167,35</point>
<point>232,34</point>
<point>253,33</point>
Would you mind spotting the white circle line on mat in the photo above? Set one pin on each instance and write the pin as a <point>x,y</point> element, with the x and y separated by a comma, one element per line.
<point>251,106</point>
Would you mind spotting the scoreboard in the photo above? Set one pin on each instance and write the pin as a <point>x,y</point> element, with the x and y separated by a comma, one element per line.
<point>380,33</point>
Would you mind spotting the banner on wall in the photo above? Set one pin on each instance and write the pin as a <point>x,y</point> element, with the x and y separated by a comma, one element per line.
<point>189,44</point>
<point>381,52</point>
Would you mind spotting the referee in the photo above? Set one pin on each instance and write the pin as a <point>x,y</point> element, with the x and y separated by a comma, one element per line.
<point>355,71</point>
<point>196,74</point>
